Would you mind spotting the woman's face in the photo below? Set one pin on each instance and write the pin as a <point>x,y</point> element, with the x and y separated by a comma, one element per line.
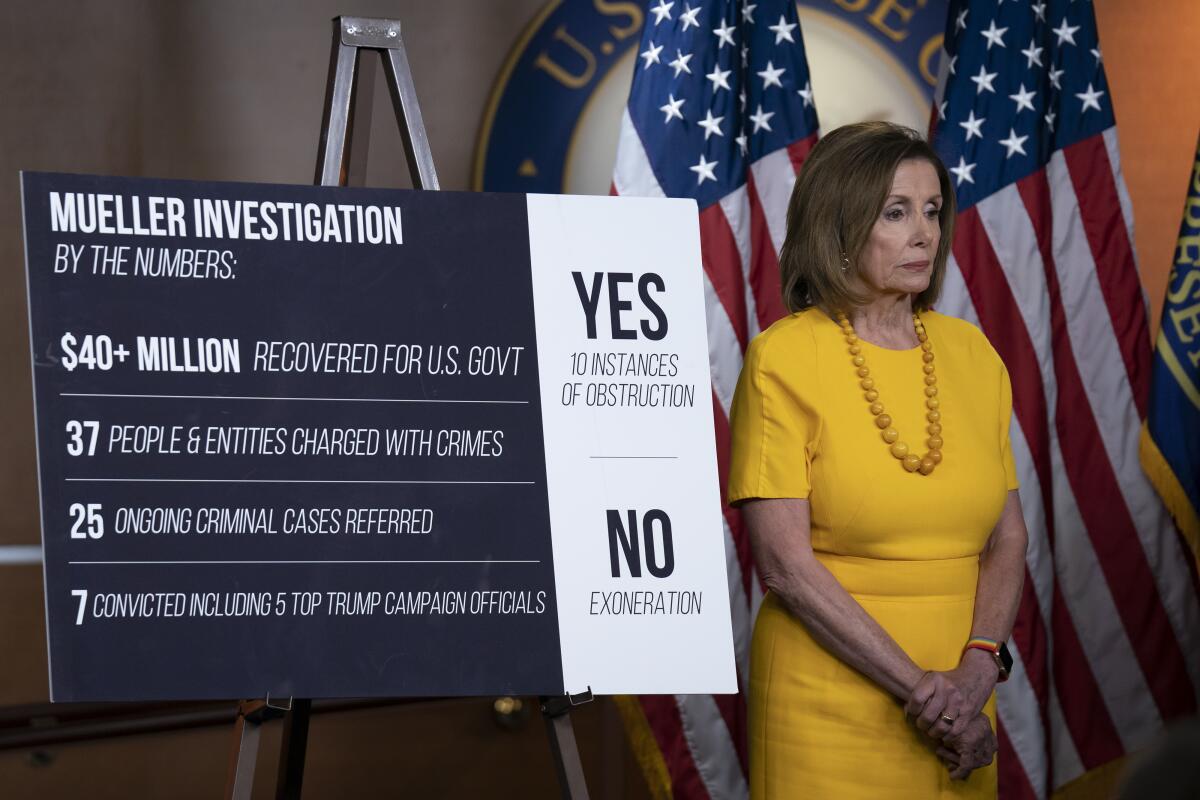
<point>898,256</point>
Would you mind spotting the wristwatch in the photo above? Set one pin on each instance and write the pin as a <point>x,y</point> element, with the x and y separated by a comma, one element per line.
<point>997,650</point>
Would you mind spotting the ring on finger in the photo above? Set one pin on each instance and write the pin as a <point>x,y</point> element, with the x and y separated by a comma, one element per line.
<point>949,720</point>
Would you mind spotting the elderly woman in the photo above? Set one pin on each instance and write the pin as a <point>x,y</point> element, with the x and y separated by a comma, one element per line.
<point>871,460</point>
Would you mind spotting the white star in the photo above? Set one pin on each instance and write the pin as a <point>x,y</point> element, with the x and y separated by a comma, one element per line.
<point>942,109</point>
<point>745,56</point>
<point>973,125</point>
<point>661,11</point>
<point>688,17</point>
<point>770,76</point>
<point>1034,54</point>
<point>1055,74</point>
<point>724,34</point>
<point>984,80</point>
<point>651,55</point>
<point>953,61</point>
<point>681,63</point>
<point>961,22</point>
<point>963,171</point>
<point>1014,143</point>
<point>806,94</point>
<point>704,170</point>
<point>1090,98</point>
<point>748,12</point>
<point>742,99</point>
<point>1040,10</point>
<point>1050,115</point>
<point>719,77</point>
<point>761,120</point>
<point>783,30</point>
<point>741,142</point>
<point>1065,33</point>
<point>1023,99</point>
<point>1096,53</point>
<point>711,125</point>
<point>671,109</point>
<point>994,35</point>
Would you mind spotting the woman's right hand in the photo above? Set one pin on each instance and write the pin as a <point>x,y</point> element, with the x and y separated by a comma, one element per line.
<point>937,706</point>
<point>974,748</point>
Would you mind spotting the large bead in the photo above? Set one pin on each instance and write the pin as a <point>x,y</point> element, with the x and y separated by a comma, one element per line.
<point>921,337</point>
<point>934,442</point>
<point>928,369</point>
<point>863,372</point>
<point>927,346</point>
<point>872,396</point>
<point>927,465</point>
<point>932,403</point>
<point>930,391</point>
<point>930,379</point>
<point>899,449</point>
<point>927,357</point>
<point>851,338</point>
<point>934,415</point>
<point>890,435</point>
<point>859,361</point>
<point>883,421</point>
<point>877,409</point>
<point>934,429</point>
<point>911,463</point>
<point>935,456</point>
<point>867,383</point>
<point>855,350</point>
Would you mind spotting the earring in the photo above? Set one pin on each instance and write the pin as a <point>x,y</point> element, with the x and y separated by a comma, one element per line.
<point>845,262</point>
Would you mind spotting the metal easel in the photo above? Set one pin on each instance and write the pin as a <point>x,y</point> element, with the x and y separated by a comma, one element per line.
<point>342,161</point>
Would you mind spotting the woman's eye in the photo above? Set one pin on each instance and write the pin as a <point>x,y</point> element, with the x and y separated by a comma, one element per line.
<point>893,214</point>
<point>932,212</point>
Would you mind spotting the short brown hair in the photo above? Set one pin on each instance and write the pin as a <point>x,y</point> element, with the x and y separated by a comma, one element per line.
<point>839,194</point>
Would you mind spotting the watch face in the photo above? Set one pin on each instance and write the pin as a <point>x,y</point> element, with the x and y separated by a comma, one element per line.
<point>1006,658</point>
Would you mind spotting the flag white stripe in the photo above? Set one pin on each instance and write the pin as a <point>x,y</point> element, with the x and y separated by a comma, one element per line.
<point>632,174</point>
<point>736,208</point>
<point>1114,160</point>
<point>1014,702</point>
<point>774,177</point>
<point>1096,348</point>
<point>711,746</point>
<point>724,351</point>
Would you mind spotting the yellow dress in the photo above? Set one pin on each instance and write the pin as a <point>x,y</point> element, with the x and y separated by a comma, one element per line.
<point>904,545</point>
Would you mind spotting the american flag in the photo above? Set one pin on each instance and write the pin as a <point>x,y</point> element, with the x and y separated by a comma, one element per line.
<point>721,110</point>
<point>1107,638</point>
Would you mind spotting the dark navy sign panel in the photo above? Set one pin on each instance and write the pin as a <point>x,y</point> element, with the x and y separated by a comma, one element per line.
<point>367,530</point>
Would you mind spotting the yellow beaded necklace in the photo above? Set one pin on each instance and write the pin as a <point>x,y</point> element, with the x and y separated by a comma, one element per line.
<point>890,435</point>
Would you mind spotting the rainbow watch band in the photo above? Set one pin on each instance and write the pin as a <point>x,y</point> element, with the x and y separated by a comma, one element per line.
<point>981,643</point>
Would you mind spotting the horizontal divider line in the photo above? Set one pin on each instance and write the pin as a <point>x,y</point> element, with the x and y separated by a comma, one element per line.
<point>312,399</point>
<point>636,457</point>
<point>378,561</point>
<point>288,480</point>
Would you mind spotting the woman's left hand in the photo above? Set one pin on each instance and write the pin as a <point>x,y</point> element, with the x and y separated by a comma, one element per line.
<point>975,676</point>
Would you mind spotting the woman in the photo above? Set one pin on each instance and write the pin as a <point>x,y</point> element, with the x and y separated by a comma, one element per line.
<point>872,464</point>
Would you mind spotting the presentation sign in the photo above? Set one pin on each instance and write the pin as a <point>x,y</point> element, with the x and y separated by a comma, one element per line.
<point>325,442</point>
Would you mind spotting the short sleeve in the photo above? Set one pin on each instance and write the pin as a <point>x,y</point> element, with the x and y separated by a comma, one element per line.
<point>774,430</point>
<point>1006,416</point>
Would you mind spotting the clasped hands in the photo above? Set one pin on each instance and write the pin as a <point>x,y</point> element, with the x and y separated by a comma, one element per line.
<point>967,743</point>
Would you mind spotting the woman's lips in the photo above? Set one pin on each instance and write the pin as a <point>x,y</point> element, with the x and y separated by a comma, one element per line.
<point>915,265</point>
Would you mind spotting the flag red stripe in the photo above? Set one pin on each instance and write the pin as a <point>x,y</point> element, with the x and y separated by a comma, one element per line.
<point>1103,221</point>
<point>1083,708</point>
<point>733,517</point>
<point>799,149</point>
<point>722,263</point>
<point>667,726</point>
<point>1110,525</point>
<point>764,262</point>
<point>1014,783</point>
